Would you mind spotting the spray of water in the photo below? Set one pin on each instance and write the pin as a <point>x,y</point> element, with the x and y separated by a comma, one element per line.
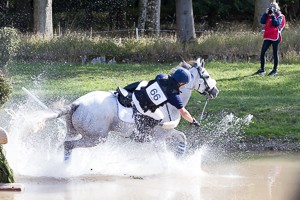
<point>226,132</point>
<point>35,148</point>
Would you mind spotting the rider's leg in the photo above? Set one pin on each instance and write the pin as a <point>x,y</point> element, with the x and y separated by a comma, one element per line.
<point>144,126</point>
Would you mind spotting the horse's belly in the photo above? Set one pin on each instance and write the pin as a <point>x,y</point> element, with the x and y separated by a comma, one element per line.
<point>95,113</point>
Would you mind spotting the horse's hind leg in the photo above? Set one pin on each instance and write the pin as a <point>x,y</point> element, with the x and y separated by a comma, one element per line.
<point>84,142</point>
<point>71,132</point>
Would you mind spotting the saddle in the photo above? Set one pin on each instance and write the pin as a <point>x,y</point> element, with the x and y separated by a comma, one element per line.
<point>124,97</point>
<point>125,112</point>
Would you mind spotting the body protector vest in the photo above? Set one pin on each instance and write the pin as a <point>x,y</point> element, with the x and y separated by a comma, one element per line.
<point>273,32</point>
<point>156,93</point>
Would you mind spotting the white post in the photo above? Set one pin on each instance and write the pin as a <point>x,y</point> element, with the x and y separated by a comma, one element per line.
<point>137,33</point>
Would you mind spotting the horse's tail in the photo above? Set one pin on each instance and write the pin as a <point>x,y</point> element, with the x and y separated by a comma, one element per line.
<point>66,110</point>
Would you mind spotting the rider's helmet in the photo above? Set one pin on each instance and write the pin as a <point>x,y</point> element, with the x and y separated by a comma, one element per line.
<point>161,76</point>
<point>182,76</point>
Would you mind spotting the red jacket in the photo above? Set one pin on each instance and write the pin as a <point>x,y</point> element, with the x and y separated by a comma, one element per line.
<point>273,32</point>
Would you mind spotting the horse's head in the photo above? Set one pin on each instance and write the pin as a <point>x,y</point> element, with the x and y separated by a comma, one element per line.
<point>201,81</point>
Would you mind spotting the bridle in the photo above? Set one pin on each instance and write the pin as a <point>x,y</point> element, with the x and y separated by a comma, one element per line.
<point>202,77</point>
<point>199,70</point>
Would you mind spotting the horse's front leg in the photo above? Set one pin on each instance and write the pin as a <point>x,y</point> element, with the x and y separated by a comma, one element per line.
<point>175,139</point>
<point>84,142</point>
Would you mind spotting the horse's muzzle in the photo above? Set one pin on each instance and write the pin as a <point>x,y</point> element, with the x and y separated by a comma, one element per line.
<point>213,93</point>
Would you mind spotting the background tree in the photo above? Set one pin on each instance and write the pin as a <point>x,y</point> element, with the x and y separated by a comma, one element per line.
<point>142,14</point>
<point>185,20</point>
<point>101,15</point>
<point>260,8</point>
<point>149,15</point>
<point>43,17</point>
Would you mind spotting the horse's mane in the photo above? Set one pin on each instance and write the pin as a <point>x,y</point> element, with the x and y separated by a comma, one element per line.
<point>182,64</point>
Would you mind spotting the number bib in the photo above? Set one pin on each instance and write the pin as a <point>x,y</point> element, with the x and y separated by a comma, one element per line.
<point>155,94</point>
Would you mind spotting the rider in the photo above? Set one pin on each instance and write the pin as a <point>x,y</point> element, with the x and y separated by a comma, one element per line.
<point>149,96</point>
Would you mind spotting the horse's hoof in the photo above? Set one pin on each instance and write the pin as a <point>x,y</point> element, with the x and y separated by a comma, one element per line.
<point>68,145</point>
<point>67,155</point>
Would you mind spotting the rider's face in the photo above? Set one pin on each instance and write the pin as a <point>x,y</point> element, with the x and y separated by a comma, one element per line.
<point>181,84</point>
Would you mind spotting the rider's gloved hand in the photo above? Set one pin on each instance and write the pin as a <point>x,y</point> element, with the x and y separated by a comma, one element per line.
<point>195,123</point>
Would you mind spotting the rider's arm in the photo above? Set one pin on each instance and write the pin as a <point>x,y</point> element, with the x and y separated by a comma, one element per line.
<point>176,101</point>
<point>186,115</point>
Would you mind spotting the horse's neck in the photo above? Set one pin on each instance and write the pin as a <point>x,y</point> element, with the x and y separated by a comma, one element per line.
<point>187,90</point>
<point>185,94</point>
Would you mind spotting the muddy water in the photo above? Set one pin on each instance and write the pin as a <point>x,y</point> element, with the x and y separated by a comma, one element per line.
<point>120,169</point>
<point>265,176</point>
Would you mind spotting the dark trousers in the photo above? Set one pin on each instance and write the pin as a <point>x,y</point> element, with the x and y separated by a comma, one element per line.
<point>265,47</point>
<point>144,126</point>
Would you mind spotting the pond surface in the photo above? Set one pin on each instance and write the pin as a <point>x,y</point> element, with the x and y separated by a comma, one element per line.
<point>120,169</point>
<point>264,176</point>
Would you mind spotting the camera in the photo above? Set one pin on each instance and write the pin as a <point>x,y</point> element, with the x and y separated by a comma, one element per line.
<point>271,10</point>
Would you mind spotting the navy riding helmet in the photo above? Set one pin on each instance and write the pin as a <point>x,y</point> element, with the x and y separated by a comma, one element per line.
<point>182,76</point>
<point>161,76</point>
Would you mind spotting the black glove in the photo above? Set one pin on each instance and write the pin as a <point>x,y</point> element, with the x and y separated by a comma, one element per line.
<point>195,123</point>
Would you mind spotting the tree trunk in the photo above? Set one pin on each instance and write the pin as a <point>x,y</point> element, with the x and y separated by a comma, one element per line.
<point>185,20</point>
<point>153,17</point>
<point>43,17</point>
<point>142,14</point>
<point>260,9</point>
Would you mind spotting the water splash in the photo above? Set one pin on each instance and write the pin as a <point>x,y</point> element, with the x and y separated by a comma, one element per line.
<point>226,132</point>
<point>35,149</point>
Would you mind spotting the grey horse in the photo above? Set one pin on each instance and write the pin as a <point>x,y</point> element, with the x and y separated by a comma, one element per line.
<point>94,115</point>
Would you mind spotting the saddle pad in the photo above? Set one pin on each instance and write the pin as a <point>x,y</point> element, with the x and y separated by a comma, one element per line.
<point>125,114</point>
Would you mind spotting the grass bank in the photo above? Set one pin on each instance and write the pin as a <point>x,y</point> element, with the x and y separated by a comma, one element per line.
<point>273,101</point>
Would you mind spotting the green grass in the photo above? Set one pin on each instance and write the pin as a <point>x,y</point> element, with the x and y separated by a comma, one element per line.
<point>274,102</point>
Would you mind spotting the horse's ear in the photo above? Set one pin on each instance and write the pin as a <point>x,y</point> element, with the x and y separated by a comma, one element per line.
<point>186,65</point>
<point>200,62</point>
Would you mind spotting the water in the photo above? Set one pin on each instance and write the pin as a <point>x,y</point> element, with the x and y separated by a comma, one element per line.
<point>120,169</point>
<point>270,176</point>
